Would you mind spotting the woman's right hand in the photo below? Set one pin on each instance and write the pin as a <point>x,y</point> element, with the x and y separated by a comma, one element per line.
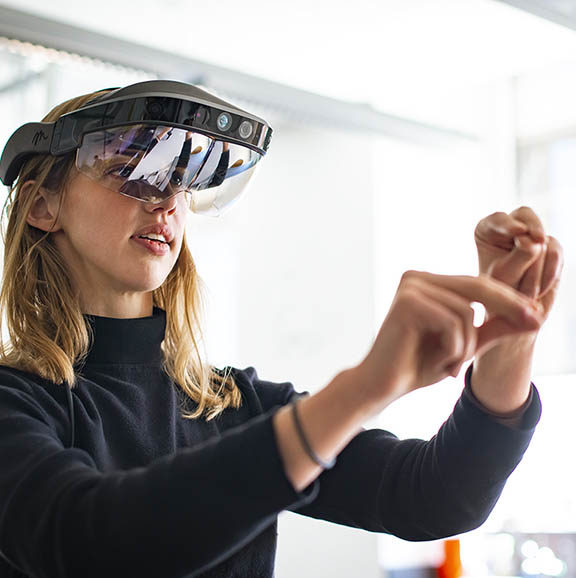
<point>429,332</point>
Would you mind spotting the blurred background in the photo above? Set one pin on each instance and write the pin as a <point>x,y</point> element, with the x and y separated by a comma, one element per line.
<point>398,125</point>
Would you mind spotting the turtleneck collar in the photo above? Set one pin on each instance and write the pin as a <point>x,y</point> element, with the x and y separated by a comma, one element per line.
<point>135,340</point>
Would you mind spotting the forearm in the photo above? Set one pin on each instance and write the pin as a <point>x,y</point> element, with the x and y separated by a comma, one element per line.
<point>423,490</point>
<point>501,376</point>
<point>330,419</point>
<point>55,505</point>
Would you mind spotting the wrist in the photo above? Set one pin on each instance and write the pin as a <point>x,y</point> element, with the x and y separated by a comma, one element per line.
<point>500,379</point>
<point>507,418</point>
<point>506,354</point>
<point>372,392</point>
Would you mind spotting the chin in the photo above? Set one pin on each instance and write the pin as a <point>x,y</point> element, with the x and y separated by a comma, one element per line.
<point>151,275</point>
<point>146,285</point>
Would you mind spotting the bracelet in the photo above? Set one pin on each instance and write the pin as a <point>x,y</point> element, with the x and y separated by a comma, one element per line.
<point>304,440</point>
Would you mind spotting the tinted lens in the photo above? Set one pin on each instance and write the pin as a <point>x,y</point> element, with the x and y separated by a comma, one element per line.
<point>223,178</point>
<point>153,163</point>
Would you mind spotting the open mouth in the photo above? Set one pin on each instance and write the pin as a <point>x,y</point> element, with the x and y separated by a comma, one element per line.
<point>151,239</point>
<point>156,241</point>
<point>157,246</point>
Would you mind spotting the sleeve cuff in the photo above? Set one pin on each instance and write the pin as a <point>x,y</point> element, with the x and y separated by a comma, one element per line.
<point>514,420</point>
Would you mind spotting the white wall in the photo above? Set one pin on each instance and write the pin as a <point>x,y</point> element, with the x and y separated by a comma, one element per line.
<point>428,203</point>
<point>302,270</point>
<point>297,254</point>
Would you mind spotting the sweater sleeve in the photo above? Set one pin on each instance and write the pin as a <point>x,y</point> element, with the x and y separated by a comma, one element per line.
<point>417,489</point>
<point>180,515</point>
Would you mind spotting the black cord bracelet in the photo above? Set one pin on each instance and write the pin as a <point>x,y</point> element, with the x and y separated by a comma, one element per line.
<point>306,444</point>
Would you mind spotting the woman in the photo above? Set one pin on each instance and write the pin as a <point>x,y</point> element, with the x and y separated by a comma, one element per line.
<point>124,454</point>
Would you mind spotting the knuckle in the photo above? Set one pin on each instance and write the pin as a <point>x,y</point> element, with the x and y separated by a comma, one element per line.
<point>491,217</point>
<point>409,275</point>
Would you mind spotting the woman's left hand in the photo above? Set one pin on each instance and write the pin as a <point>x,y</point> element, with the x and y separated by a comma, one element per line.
<point>513,248</point>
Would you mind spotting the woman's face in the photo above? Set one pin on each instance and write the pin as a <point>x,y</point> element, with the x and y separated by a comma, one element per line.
<point>95,233</point>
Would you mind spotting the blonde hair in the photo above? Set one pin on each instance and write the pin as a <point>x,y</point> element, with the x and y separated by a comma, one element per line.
<point>49,335</point>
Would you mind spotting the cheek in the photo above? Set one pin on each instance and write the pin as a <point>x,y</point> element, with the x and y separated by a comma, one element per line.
<point>99,231</point>
<point>104,230</point>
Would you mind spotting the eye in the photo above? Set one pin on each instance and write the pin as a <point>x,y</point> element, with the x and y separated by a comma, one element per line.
<point>122,171</point>
<point>176,179</point>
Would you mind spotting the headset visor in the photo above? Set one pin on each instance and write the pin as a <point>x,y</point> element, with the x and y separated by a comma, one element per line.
<point>153,163</point>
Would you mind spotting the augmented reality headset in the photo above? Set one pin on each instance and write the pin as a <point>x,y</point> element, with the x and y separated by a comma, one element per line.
<point>150,141</point>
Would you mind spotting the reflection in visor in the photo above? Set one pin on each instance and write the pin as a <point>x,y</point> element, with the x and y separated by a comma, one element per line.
<point>156,166</point>
<point>152,164</point>
<point>216,189</point>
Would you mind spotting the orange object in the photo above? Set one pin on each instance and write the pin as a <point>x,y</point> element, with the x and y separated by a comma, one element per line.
<point>452,565</point>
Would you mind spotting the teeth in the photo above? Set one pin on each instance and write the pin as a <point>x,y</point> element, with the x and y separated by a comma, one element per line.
<point>154,237</point>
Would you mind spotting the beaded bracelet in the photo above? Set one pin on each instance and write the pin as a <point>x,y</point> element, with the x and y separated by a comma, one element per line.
<point>304,440</point>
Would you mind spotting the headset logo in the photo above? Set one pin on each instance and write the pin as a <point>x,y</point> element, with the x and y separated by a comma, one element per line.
<point>39,136</point>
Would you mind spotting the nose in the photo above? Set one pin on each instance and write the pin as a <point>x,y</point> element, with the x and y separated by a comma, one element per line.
<point>168,205</point>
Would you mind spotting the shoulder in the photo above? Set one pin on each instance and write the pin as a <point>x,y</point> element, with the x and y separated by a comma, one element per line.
<point>27,393</point>
<point>20,380</point>
<point>267,394</point>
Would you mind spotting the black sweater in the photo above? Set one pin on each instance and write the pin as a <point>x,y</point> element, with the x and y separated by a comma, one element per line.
<point>145,493</point>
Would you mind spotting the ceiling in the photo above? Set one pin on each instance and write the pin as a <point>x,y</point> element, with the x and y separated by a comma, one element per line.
<point>359,51</point>
<point>560,11</point>
<point>420,59</point>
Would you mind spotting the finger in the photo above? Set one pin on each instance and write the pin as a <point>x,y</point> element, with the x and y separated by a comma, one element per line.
<point>553,265</point>
<point>512,267</point>
<point>529,217</point>
<point>438,334</point>
<point>530,283</point>
<point>550,296</point>
<point>441,339</point>
<point>460,307</point>
<point>496,296</point>
<point>492,331</point>
<point>499,229</point>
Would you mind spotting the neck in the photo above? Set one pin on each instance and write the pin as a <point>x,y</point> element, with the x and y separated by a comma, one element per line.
<point>127,340</point>
<point>127,308</point>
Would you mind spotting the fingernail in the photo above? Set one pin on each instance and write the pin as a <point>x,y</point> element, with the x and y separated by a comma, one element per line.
<point>536,308</point>
<point>536,314</point>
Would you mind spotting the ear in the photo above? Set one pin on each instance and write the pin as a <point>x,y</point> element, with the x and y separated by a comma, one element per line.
<point>44,209</point>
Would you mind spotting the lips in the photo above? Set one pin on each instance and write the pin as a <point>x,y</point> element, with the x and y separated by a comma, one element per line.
<point>156,247</point>
<point>159,229</point>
